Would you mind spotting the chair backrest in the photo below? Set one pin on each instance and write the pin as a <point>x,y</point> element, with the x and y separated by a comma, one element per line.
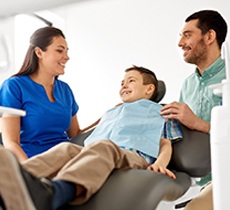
<point>79,139</point>
<point>192,154</point>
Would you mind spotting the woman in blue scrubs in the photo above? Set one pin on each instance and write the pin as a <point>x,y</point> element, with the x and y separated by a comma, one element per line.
<point>49,102</point>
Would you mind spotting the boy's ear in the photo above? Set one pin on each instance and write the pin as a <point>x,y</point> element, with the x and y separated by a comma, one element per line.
<point>151,89</point>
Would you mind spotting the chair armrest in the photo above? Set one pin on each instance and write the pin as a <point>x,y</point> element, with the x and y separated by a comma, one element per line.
<point>79,139</point>
<point>192,154</point>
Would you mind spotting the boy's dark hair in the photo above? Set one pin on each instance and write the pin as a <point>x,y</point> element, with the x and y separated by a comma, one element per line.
<point>148,76</point>
<point>210,19</point>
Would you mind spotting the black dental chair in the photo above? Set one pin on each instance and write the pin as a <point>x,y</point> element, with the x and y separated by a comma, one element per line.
<point>144,190</point>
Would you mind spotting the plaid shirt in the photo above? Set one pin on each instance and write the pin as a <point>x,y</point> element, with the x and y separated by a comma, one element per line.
<point>171,131</point>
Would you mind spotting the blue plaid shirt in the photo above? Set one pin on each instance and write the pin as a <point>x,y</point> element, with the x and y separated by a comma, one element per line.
<point>171,131</point>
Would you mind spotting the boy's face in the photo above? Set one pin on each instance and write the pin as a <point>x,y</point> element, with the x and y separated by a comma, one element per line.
<point>132,88</point>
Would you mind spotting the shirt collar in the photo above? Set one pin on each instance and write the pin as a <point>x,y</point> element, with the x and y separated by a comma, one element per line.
<point>213,69</point>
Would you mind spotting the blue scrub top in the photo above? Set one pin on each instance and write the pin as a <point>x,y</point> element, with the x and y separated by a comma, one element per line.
<point>46,122</point>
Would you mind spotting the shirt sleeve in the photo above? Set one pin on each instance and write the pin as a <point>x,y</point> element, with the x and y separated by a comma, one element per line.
<point>10,94</point>
<point>172,130</point>
<point>69,97</point>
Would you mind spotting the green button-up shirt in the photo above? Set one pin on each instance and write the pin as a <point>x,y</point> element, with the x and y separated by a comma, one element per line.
<point>196,93</point>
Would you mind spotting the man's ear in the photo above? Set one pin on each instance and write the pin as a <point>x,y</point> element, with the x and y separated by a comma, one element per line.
<point>38,52</point>
<point>211,36</point>
<point>151,89</point>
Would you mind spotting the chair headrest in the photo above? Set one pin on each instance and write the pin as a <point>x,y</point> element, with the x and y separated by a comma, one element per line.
<point>161,91</point>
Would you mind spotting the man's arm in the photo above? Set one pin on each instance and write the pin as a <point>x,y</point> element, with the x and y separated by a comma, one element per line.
<point>185,115</point>
<point>163,159</point>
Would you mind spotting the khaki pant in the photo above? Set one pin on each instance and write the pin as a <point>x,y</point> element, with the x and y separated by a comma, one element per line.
<point>87,166</point>
<point>203,201</point>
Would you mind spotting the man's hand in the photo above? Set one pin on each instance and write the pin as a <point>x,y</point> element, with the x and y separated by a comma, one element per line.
<point>158,168</point>
<point>185,115</point>
<point>179,111</point>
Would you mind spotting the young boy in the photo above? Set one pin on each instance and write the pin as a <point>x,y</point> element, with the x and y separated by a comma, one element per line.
<point>128,136</point>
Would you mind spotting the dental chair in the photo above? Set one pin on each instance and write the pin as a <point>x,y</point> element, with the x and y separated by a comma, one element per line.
<point>144,190</point>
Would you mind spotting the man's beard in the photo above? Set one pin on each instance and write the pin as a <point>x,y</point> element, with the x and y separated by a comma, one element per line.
<point>198,53</point>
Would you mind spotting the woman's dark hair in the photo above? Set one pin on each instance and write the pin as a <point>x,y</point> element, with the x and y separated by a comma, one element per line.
<point>41,38</point>
<point>210,19</point>
<point>148,78</point>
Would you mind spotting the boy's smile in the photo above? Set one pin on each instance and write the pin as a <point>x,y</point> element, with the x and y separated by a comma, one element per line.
<point>132,87</point>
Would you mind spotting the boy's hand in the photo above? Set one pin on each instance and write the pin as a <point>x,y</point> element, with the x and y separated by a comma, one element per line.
<point>161,169</point>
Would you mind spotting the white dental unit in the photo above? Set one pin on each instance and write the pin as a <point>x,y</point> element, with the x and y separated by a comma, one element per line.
<point>220,142</point>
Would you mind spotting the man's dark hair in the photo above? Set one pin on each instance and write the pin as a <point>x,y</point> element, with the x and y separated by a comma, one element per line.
<point>210,19</point>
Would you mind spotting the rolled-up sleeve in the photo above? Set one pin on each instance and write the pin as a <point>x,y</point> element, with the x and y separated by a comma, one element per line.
<point>172,130</point>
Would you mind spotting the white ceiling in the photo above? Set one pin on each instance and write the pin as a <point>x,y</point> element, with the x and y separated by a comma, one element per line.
<point>13,7</point>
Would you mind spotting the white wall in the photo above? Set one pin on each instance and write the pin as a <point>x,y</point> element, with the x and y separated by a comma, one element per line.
<point>24,26</point>
<point>7,47</point>
<point>107,36</point>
